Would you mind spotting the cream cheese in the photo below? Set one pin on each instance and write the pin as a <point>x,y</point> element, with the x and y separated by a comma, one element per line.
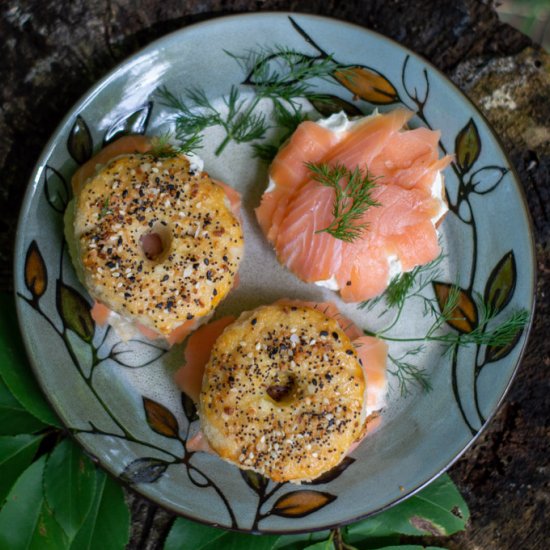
<point>331,284</point>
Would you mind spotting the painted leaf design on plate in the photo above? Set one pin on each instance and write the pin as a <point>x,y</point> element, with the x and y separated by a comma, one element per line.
<point>189,407</point>
<point>501,283</point>
<point>74,311</point>
<point>133,123</point>
<point>333,473</point>
<point>368,84</point>
<point>463,316</point>
<point>328,104</point>
<point>160,419</point>
<point>298,504</point>
<point>487,179</point>
<point>136,354</point>
<point>255,481</point>
<point>467,146</point>
<point>56,189</point>
<point>495,353</point>
<point>36,275</point>
<point>80,143</point>
<point>144,470</point>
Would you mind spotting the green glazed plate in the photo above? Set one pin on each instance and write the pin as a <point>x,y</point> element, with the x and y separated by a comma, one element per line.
<point>119,400</point>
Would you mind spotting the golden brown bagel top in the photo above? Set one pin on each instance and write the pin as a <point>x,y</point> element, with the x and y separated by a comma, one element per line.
<point>138,194</point>
<point>283,393</point>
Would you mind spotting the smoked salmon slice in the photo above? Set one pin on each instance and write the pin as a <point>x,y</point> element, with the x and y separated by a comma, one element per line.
<point>123,146</point>
<point>402,228</point>
<point>197,352</point>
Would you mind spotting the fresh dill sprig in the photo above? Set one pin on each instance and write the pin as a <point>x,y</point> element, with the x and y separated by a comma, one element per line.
<point>352,198</point>
<point>265,151</point>
<point>407,373</point>
<point>195,113</point>
<point>406,285</point>
<point>484,333</point>
<point>282,73</point>
<point>278,74</point>
<point>287,118</point>
<point>162,146</point>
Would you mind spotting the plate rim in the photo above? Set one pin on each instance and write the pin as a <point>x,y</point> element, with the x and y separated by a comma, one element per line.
<point>154,45</point>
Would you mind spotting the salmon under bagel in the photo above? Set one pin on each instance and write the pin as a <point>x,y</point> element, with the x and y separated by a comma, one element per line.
<point>283,393</point>
<point>156,241</point>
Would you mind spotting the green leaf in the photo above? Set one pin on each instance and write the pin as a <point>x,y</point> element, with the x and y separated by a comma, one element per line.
<point>437,510</point>
<point>322,545</point>
<point>467,146</point>
<point>69,485</point>
<point>16,453</point>
<point>26,522</point>
<point>410,547</point>
<point>372,528</point>
<point>188,534</point>
<point>14,368</point>
<point>80,143</point>
<point>297,542</point>
<point>107,526</point>
<point>501,283</point>
<point>74,311</point>
<point>14,419</point>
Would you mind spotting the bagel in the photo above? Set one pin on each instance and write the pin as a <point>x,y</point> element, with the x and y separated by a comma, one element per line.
<point>155,241</point>
<point>283,393</point>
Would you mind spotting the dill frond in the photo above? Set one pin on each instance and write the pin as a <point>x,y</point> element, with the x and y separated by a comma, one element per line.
<point>283,73</point>
<point>265,151</point>
<point>407,373</point>
<point>352,198</point>
<point>287,118</point>
<point>407,285</point>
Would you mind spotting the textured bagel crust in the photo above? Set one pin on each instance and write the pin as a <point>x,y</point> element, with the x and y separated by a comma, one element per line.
<point>136,195</point>
<point>283,393</point>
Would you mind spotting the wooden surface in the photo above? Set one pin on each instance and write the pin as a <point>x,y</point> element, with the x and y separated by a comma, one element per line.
<point>52,51</point>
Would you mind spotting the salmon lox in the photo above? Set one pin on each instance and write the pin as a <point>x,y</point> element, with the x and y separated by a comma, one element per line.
<point>295,209</point>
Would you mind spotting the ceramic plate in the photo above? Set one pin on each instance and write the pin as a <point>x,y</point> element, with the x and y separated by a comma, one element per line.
<point>118,398</point>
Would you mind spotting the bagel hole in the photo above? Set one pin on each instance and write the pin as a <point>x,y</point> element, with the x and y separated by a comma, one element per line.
<point>156,243</point>
<point>281,389</point>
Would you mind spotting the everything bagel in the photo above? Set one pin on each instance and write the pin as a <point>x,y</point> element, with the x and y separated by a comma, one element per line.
<point>283,393</point>
<point>155,241</point>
